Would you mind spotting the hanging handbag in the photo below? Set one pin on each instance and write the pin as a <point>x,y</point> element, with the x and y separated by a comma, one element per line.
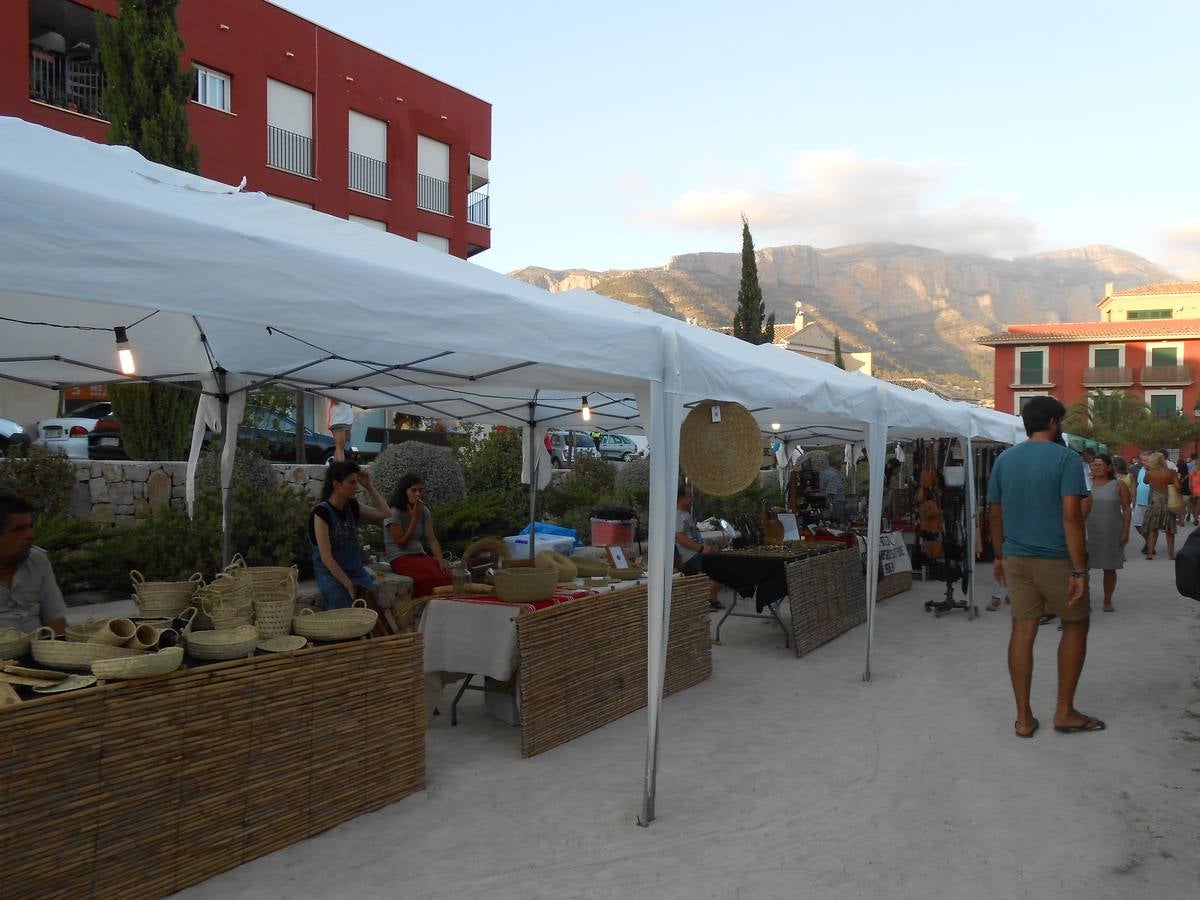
<point>1174,499</point>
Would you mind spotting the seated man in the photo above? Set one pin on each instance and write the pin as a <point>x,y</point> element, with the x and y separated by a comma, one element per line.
<point>689,546</point>
<point>29,595</point>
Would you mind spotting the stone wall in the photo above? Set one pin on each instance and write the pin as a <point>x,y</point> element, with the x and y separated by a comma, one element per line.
<point>122,492</point>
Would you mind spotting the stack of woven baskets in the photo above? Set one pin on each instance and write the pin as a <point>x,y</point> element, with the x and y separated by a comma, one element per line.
<point>164,599</point>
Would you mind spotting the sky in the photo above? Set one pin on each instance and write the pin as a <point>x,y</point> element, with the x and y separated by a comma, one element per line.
<point>627,132</point>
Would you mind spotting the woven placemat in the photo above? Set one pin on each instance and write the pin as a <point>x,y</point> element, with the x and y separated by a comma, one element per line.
<point>720,458</point>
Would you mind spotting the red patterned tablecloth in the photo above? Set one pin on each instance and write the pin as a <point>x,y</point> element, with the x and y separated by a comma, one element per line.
<point>561,595</point>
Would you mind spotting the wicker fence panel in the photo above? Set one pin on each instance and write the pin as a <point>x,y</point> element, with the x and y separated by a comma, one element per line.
<point>896,583</point>
<point>583,664</point>
<point>140,789</point>
<point>827,595</point>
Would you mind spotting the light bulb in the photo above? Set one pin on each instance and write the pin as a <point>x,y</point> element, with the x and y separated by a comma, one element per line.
<point>775,426</point>
<point>586,412</point>
<point>125,361</point>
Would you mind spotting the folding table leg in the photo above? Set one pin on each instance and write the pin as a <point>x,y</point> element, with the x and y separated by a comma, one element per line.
<point>454,706</point>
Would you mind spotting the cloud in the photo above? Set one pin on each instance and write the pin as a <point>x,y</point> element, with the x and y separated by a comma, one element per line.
<point>833,197</point>
<point>1182,245</point>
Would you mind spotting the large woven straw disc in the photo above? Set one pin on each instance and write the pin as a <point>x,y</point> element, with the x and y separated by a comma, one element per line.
<point>720,458</point>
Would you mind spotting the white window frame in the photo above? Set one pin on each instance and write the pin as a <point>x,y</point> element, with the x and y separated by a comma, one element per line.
<point>1045,351</point>
<point>1158,392</point>
<point>1120,348</point>
<point>436,244</point>
<point>1161,345</point>
<point>202,88</point>
<point>367,222</point>
<point>1026,395</point>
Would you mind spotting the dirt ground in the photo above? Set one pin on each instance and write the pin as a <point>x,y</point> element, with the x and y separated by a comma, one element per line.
<point>785,777</point>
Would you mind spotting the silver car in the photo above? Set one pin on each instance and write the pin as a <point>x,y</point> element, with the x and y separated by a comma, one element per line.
<point>13,439</point>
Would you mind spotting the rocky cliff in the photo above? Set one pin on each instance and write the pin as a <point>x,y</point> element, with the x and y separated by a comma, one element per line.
<point>918,309</point>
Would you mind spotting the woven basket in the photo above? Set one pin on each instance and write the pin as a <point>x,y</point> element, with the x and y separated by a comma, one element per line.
<point>483,553</point>
<point>229,597</point>
<point>81,632</point>
<point>336,624</point>
<point>149,665</point>
<point>525,585</point>
<point>163,598</point>
<point>13,644</point>
<point>274,617</point>
<point>590,568</point>
<point>720,458</point>
<point>269,578</point>
<point>75,655</point>
<point>231,643</point>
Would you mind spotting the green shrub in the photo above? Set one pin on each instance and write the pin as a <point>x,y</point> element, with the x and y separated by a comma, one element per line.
<point>490,462</point>
<point>156,419</point>
<point>634,476</point>
<point>747,502</point>
<point>437,467</point>
<point>43,478</point>
<point>69,542</point>
<point>593,473</point>
<point>249,468</point>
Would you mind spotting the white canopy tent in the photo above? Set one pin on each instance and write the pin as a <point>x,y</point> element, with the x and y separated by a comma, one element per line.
<point>243,291</point>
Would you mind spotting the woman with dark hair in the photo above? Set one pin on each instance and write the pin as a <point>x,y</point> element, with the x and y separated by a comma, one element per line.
<point>333,533</point>
<point>1106,511</point>
<point>405,534</point>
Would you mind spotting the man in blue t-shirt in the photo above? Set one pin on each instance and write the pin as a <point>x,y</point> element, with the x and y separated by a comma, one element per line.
<point>1036,494</point>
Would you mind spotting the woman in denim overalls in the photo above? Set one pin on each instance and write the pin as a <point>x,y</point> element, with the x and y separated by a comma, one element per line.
<point>333,533</point>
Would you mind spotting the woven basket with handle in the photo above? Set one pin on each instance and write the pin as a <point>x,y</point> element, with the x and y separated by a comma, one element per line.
<point>525,585</point>
<point>273,617</point>
<point>228,597</point>
<point>13,644</point>
<point>163,598</point>
<point>336,624</point>
<point>75,655</point>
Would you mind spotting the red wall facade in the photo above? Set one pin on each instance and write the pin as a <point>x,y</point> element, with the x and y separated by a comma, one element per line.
<point>252,40</point>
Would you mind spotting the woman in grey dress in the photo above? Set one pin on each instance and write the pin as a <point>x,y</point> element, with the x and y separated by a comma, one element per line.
<point>1107,514</point>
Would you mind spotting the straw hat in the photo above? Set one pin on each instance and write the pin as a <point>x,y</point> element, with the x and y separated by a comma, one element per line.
<point>720,458</point>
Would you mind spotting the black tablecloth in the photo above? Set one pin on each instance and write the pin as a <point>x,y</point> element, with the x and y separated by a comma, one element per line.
<point>747,574</point>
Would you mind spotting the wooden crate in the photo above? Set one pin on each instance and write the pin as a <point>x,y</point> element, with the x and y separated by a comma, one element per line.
<point>142,788</point>
<point>827,595</point>
<point>583,664</point>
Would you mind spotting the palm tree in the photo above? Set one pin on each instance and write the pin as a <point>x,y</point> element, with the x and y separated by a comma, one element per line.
<point>1106,416</point>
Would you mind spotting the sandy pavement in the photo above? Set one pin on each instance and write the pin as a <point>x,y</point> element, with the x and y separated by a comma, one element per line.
<point>782,777</point>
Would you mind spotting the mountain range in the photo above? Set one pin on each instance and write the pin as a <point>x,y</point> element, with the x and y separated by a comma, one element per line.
<point>917,309</point>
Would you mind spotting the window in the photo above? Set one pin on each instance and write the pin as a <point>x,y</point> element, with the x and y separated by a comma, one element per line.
<point>289,128</point>
<point>1106,358</point>
<point>368,154</point>
<point>370,223</point>
<point>212,89</point>
<point>433,175</point>
<point>437,242</point>
<point>1019,401</point>
<point>291,201</point>
<point>1164,356</point>
<point>1031,366</point>
<point>1135,314</point>
<point>1164,404</point>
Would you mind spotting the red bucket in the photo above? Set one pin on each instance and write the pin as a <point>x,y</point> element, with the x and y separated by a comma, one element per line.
<point>612,532</point>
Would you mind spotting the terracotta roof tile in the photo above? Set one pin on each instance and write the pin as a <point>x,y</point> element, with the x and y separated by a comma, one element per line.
<point>1069,332</point>
<point>1165,287</point>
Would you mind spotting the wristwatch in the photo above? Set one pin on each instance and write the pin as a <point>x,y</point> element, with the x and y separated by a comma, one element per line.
<point>1079,574</point>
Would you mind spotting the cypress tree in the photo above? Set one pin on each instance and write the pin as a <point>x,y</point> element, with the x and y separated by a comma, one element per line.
<point>146,94</point>
<point>748,318</point>
<point>838,360</point>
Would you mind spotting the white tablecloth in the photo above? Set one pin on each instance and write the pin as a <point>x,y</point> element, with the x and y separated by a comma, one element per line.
<point>470,637</point>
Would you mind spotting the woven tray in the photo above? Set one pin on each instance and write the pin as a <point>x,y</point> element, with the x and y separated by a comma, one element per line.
<point>75,655</point>
<point>149,665</point>
<point>336,624</point>
<point>230,643</point>
<point>13,644</point>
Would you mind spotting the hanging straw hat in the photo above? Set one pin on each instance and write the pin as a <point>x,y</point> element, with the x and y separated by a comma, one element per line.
<point>720,458</point>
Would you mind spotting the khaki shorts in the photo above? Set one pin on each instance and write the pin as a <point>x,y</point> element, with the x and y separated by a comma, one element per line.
<point>1039,586</point>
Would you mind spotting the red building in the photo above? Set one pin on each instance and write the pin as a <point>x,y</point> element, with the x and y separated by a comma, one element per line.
<point>302,113</point>
<point>1152,359</point>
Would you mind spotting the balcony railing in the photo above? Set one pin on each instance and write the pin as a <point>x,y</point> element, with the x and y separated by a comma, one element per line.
<point>368,175</point>
<point>1108,376</point>
<point>77,85</point>
<point>289,151</point>
<point>479,209</point>
<point>1167,375</point>
<point>433,194</point>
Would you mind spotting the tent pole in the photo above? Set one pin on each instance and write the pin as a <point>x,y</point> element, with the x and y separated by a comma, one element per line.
<point>533,461</point>
<point>876,451</point>
<point>226,488</point>
<point>972,526</point>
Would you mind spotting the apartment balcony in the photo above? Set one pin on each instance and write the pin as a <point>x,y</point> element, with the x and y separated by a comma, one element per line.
<point>433,194</point>
<point>1167,375</point>
<point>368,175</point>
<point>72,84</point>
<point>1108,376</point>
<point>479,209</point>
<point>289,151</point>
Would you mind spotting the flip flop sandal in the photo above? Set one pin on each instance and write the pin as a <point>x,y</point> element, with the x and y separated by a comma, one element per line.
<point>1091,724</point>
<point>994,605</point>
<point>1108,609</point>
<point>1032,731</point>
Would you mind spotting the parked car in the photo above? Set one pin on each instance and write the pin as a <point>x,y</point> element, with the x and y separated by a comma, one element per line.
<point>69,434</point>
<point>617,446</point>
<point>272,429</point>
<point>559,456</point>
<point>13,439</point>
